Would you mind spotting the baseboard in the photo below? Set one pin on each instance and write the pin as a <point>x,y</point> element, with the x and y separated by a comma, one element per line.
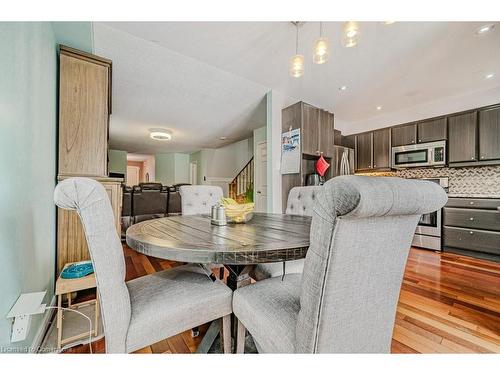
<point>40,335</point>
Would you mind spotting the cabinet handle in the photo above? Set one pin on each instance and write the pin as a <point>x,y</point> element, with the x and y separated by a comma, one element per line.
<point>471,202</point>
<point>472,158</point>
<point>471,219</point>
<point>420,140</point>
<point>374,165</point>
<point>482,156</point>
<point>471,232</point>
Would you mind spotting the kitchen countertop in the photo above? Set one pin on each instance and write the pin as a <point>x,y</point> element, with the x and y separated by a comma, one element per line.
<point>491,196</point>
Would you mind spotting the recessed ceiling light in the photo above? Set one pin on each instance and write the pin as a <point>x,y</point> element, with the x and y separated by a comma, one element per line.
<point>388,22</point>
<point>484,29</point>
<point>379,108</point>
<point>160,134</point>
<point>489,76</point>
<point>343,88</point>
<point>223,138</point>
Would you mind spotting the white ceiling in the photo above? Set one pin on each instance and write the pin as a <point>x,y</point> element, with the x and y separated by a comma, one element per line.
<point>204,80</point>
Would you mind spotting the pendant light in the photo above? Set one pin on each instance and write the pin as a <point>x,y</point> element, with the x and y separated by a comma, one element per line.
<point>350,34</point>
<point>320,52</point>
<point>297,61</point>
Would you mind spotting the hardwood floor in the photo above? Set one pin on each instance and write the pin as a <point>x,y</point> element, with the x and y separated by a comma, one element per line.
<point>448,304</point>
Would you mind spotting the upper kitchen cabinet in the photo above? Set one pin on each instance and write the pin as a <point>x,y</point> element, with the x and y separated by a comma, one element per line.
<point>317,133</point>
<point>403,135</point>
<point>382,148</point>
<point>364,151</point>
<point>326,134</point>
<point>310,129</point>
<point>84,109</point>
<point>462,138</point>
<point>432,130</point>
<point>489,134</point>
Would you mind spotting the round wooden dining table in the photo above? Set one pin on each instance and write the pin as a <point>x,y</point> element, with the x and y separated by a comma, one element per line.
<point>193,239</point>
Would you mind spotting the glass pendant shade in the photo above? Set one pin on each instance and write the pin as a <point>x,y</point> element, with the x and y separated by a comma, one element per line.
<point>321,51</point>
<point>297,66</point>
<point>350,34</point>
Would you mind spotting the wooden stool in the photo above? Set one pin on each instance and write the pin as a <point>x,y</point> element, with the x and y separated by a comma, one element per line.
<point>68,286</point>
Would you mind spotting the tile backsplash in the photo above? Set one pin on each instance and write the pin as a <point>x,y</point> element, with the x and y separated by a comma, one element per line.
<point>471,180</point>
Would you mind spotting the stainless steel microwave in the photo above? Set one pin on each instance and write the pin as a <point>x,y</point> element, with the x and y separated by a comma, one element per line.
<point>432,154</point>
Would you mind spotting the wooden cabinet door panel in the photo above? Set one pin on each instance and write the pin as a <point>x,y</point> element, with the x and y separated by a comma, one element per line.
<point>489,134</point>
<point>326,134</point>
<point>404,135</point>
<point>364,150</point>
<point>431,130</point>
<point>310,129</point>
<point>382,148</point>
<point>83,117</point>
<point>462,138</point>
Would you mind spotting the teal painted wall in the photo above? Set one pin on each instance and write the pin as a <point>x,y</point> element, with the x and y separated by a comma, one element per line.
<point>172,168</point>
<point>27,166</point>
<point>165,168</point>
<point>117,161</point>
<point>78,35</point>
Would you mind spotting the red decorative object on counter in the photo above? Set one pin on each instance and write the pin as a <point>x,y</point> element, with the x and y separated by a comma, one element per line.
<point>322,166</point>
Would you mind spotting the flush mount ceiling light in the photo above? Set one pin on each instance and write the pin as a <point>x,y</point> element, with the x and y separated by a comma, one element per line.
<point>223,138</point>
<point>350,34</point>
<point>379,108</point>
<point>343,88</point>
<point>489,76</point>
<point>297,61</point>
<point>160,134</point>
<point>485,29</point>
<point>320,51</point>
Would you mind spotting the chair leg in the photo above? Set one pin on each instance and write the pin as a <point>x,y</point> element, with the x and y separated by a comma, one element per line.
<point>226,334</point>
<point>240,338</point>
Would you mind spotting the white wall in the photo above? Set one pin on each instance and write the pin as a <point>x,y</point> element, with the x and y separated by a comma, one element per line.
<point>227,161</point>
<point>276,101</point>
<point>422,111</point>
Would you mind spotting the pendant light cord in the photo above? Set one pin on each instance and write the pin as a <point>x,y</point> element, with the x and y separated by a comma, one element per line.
<point>297,39</point>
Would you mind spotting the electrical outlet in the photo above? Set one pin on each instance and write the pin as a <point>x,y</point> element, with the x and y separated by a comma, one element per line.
<point>20,328</point>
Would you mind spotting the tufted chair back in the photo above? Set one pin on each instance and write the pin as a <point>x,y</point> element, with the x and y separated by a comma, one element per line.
<point>361,233</point>
<point>91,202</point>
<point>199,199</point>
<point>301,200</point>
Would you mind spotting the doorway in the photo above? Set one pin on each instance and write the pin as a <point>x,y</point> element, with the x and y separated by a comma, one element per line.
<point>193,173</point>
<point>261,177</point>
<point>133,175</point>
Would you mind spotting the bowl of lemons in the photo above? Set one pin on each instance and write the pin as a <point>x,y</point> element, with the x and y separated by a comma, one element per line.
<point>236,212</point>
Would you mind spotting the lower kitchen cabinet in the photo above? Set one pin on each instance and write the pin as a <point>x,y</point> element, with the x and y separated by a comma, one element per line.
<point>472,224</point>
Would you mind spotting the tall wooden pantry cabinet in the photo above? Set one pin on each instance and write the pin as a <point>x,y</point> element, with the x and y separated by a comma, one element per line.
<point>84,110</point>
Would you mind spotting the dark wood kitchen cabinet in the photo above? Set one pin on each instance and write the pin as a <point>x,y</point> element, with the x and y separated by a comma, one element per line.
<point>364,151</point>
<point>431,130</point>
<point>326,134</point>
<point>403,135</point>
<point>489,134</point>
<point>462,138</point>
<point>309,136</point>
<point>382,148</point>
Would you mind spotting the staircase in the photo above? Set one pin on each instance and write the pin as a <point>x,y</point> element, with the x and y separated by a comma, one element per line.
<point>242,183</point>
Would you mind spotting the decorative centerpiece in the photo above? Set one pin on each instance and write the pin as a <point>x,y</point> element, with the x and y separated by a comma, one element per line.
<point>237,213</point>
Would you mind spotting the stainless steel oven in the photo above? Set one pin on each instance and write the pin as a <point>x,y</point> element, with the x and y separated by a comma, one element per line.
<point>432,154</point>
<point>428,232</point>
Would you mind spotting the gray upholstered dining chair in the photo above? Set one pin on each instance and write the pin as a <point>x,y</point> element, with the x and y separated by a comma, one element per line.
<point>300,202</point>
<point>345,300</point>
<point>199,199</point>
<point>148,309</point>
